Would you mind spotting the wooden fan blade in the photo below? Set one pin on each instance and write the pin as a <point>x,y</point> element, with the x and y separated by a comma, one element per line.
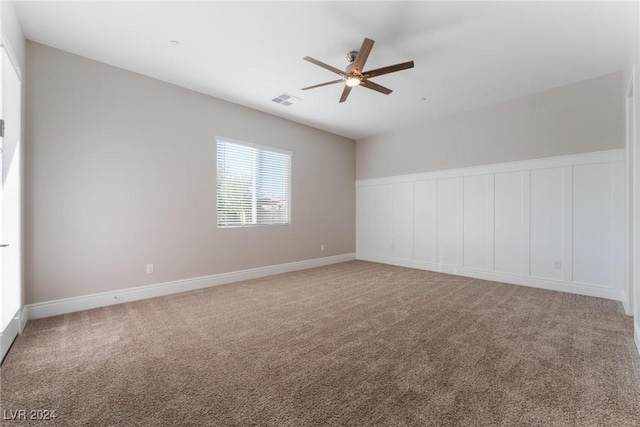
<point>323,84</point>
<point>388,69</point>
<point>371,85</point>
<point>362,56</point>
<point>325,66</point>
<point>345,93</point>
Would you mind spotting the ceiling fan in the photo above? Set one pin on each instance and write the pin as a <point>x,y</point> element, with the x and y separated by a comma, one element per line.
<point>354,76</point>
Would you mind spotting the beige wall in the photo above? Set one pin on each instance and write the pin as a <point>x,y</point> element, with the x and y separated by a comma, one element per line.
<point>121,173</point>
<point>582,117</point>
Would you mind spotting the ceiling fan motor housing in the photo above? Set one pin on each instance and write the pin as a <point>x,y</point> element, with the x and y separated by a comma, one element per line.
<point>351,57</point>
<point>349,69</point>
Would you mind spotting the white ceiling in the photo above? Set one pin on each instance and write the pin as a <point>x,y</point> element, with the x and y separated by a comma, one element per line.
<point>467,54</point>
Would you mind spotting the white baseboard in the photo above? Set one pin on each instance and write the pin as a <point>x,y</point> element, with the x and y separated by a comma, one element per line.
<point>625,305</point>
<point>534,282</point>
<point>636,334</point>
<point>69,305</point>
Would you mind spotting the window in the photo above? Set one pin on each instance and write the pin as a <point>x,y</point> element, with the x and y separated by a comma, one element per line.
<point>254,184</point>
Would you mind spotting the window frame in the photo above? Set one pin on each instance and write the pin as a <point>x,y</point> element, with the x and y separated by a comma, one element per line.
<point>258,147</point>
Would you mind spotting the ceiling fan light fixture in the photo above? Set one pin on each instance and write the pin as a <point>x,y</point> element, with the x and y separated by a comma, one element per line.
<point>353,81</point>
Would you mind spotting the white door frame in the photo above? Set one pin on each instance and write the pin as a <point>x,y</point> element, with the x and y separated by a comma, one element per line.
<point>633,196</point>
<point>17,323</point>
<point>631,207</point>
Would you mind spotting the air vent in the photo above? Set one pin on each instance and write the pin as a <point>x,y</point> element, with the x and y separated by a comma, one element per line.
<point>286,99</point>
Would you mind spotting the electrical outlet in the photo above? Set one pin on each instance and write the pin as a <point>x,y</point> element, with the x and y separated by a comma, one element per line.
<point>149,268</point>
<point>557,265</point>
<point>322,247</point>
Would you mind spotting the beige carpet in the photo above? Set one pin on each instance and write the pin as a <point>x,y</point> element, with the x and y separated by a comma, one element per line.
<point>353,344</point>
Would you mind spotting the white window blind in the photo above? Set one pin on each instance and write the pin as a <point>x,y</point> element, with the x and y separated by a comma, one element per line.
<point>254,185</point>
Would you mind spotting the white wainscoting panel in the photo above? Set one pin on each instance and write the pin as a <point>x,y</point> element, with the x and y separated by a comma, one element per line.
<point>567,226</point>
<point>403,220</point>
<point>450,222</point>
<point>554,223</point>
<point>374,220</point>
<point>547,223</point>
<point>512,223</point>
<point>593,224</point>
<point>478,222</point>
<point>425,208</point>
<point>617,244</point>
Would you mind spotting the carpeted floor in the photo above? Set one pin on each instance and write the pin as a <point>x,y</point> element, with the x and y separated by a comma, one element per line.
<point>352,344</point>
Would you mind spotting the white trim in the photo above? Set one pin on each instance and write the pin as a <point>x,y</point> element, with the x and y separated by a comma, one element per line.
<point>534,282</point>
<point>567,224</point>
<point>631,214</point>
<point>616,155</point>
<point>628,202</point>
<point>69,305</point>
<point>9,335</point>
<point>11,56</point>
<point>636,334</point>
